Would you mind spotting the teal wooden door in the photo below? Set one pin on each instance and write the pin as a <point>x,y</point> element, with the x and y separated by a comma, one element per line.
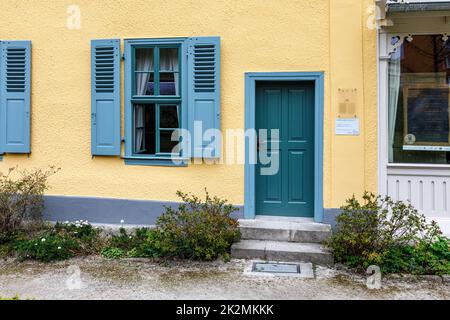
<point>288,107</point>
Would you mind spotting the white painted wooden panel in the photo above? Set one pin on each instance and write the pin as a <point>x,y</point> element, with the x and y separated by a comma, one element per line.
<point>427,189</point>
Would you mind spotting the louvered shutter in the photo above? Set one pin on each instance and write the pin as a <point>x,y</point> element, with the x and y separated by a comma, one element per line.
<point>204,94</point>
<point>105,97</point>
<point>15,74</point>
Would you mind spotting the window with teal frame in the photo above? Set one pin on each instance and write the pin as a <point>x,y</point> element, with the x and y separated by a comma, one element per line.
<point>155,87</point>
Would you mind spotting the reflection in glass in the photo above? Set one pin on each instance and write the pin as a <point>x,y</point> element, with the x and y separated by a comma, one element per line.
<point>169,117</point>
<point>166,145</point>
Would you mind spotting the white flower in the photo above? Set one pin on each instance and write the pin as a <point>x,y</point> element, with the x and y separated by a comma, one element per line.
<point>35,244</point>
<point>122,221</point>
<point>67,222</point>
<point>59,248</point>
<point>130,237</point>
<point>43,239</point>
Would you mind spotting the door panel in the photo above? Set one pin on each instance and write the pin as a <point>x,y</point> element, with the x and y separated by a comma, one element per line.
<point>296,173</point>
<point>288,107</point>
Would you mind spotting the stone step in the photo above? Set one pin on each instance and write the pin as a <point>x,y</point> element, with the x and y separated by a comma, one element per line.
<point>279,230</point>
<point>282,251</point>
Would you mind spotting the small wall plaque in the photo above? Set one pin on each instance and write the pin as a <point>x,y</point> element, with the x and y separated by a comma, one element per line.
<point>347,126</point>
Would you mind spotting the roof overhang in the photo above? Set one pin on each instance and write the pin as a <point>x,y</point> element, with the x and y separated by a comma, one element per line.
<point>389,10</point>
<point>418,7</point>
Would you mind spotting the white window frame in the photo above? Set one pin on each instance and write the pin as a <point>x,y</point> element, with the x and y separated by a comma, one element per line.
<point>392,175</point>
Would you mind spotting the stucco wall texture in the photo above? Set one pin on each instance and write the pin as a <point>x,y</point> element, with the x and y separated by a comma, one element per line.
<point>256,35</point>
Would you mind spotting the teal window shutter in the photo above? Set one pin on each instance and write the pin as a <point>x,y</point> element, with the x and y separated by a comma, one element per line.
<point>15,76</point>
<point>105,97</point>
<point>204,95</point>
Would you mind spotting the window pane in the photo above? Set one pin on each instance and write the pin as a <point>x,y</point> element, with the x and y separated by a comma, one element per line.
<point>169,71</point>
<point>168,59</point>
<point>145,85</point>
<point>144,72</point>
<point>169,117</point>
<point>144,129</point>
<point>166,145</point>
<point>418,104</point>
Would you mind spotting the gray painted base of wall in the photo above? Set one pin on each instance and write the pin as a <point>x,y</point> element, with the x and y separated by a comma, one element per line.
<point>329,216</point>
<point>108,210</point>
<point>135,212</point>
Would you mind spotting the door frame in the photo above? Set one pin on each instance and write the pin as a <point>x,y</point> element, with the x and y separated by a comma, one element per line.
<point>250,114</point>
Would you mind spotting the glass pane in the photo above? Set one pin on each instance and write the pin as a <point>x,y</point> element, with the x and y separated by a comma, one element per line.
<point>144,129</point>
<point>166,145</point>
<point>145,85</point>
<point>144,69</point>
<point>419,99</point>
<point>169,117</point>
<point>169,71</point>
<point>168,60</point>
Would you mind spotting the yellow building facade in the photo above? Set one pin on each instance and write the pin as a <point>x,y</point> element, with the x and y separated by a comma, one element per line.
<point>337,38</point>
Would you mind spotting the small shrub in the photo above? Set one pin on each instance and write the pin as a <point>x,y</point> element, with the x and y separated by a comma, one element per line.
<point>88,238</point>
<point>197,229</point>
<point>21,197</point>
<point>48,247</point>
<point>393,235</point>
<point>138,244</point>
<point>112,253</point>
<point>59,242</point>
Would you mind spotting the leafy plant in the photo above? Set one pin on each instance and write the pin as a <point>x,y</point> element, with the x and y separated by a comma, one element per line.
<point>112,253</point>
<point>48,247</point>
<point>137,244</point>
<point>198,229</point>
<point>59,242</point>
<point>21,197</point>
<point>393,235</point>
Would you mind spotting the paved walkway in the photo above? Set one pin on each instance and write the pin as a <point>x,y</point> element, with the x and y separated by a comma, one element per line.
<point>98,278</point>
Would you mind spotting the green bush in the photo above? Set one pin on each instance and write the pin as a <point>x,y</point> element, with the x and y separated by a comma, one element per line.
<point>138,244</point>
<point>422,258</point>
<point>197,229</point>
<point>392,235</point>
<point>59,242</point>
<point>112,253</point>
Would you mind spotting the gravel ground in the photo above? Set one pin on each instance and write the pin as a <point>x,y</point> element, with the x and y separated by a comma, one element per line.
<point>99,278</point>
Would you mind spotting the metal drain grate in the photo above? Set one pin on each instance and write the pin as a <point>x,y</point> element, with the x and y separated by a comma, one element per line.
<point>276,267</point>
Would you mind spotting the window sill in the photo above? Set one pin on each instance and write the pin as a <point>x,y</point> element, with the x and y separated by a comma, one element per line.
<point>417,166</point>
<point>156,161</point>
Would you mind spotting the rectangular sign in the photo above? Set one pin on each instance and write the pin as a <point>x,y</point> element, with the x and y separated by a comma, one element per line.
<point>347,126</point>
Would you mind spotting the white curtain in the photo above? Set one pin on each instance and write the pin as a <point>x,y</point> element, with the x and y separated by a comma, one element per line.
<point>393,93</point>
<point>144,64</point>
<point>169,62</point>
